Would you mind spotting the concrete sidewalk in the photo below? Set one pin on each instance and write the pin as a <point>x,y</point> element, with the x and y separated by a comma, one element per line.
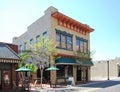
<point>60,88</point>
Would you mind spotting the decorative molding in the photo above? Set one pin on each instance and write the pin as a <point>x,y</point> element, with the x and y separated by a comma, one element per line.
<point>72,24</point>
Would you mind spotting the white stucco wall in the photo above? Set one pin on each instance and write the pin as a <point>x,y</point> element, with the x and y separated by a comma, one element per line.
<point>100,69</point>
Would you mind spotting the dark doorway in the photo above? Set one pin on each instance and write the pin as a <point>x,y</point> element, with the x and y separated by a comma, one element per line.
<point>79,71</point>
<point>0,79</point>
<point>118,71</point>
<point>86,77</point>
<point>46,75</point>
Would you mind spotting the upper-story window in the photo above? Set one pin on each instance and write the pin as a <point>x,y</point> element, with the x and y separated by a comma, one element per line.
<point>58,39</point>
<point>64,40</point>
<point>38,39</point>
<point>31,42</point>
<point>69,42</point>
<point>25,46</point>
<point>81,45</point>
<point>20,49</point>
<point>45,34</point>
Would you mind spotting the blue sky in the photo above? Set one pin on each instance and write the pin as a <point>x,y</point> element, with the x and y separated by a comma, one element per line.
<point>101,15</point>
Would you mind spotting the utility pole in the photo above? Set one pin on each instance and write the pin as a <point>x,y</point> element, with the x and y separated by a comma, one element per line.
<point>108,68</point>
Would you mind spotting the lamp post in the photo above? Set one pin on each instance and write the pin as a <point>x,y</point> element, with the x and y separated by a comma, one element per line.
<point>108,68</point>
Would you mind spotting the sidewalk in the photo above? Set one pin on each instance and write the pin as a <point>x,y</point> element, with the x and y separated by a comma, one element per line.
<point>60,88</point>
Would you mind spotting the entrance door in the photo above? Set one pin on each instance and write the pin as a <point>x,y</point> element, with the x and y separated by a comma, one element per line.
<point>79,77</point>
<point>6,79</point>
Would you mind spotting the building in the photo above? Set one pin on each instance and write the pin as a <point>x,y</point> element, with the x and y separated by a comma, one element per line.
<point>8,63</point>
<point>110,69</point>
<point>71,36</point>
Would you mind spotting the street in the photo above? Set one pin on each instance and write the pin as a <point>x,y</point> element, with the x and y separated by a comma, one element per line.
<point>110,86</point>
<point>103,86</point>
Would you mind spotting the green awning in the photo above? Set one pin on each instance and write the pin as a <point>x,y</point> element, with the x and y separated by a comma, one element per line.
<point>64,60</point>
<point>84,63</point>
<point>72,61</point>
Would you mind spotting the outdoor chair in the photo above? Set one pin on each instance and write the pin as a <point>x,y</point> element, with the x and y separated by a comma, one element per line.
<point>26,84</point>
<point>15,87</point>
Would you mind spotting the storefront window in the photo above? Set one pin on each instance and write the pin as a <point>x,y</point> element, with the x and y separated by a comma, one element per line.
<point>65,70</point>
<point>61,72</point>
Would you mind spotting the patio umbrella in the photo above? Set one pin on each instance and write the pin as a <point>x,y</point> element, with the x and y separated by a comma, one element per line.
<point>23,69</point>
<point>52,68</point>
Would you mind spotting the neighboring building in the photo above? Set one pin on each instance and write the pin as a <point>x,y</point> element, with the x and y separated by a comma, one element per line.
<point>71,36</point>
<point>8,63</point>
<point>107,69</point>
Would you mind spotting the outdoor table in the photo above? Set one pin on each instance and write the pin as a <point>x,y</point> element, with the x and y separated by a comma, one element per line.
<point>25,84</point>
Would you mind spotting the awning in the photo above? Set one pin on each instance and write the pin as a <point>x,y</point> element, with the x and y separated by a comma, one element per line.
<point>84,63</point>
<point>72,61</point>
<point>3,60</point>
<point>65,61</point>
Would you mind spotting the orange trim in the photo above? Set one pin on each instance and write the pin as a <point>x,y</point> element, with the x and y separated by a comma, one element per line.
<point>72,24</point>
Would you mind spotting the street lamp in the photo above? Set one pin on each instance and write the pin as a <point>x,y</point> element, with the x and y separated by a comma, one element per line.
<point>108,68</point>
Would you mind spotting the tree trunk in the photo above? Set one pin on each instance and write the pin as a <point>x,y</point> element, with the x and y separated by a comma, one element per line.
<point>41,78</point>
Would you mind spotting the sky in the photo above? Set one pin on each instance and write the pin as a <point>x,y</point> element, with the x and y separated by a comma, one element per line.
<point>101,15</point>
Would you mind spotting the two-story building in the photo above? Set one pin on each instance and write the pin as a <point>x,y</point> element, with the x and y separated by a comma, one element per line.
<point>71,36</point>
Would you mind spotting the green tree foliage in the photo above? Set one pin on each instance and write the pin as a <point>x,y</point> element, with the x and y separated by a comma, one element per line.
<point>42,51</point>
<point>24,56</point>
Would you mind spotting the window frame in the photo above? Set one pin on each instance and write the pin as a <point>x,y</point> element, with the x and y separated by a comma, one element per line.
<point>65,35</point>
<point>82,47</point>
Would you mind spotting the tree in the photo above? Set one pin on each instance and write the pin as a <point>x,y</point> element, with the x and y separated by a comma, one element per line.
<point>82,55</point>
<point>24,56</point>
<point>41,52</point>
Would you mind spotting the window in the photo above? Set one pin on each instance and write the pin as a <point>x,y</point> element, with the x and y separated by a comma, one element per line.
<point>26,46</point>
<point>64,40</point>
<point>45,33</point>
<point>61,72</point>
<point>77,45</point>
<point>38,39</point>
<point>31,42</point>
<point>85,46</point>
<point>58,39</point>
<point>81,45</point>
<point>69,42</point>
<point>20,48</point>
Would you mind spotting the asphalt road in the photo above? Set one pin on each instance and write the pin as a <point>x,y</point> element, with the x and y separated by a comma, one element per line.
<point>106,86</point>
<point>103,86</point>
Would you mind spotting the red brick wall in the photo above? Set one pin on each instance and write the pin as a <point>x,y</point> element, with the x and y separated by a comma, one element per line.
<point>13,47</point>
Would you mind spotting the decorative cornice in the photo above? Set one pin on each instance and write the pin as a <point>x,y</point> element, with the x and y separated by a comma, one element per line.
<point>72,24</point>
